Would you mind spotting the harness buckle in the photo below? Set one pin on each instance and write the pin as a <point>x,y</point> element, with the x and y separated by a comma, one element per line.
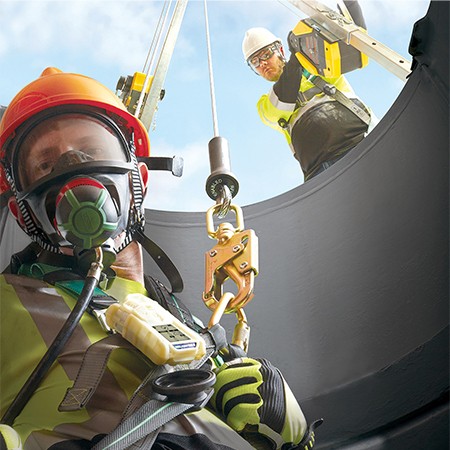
<point>99,314</point>
<point>329,89</point>
<point>191,386</point>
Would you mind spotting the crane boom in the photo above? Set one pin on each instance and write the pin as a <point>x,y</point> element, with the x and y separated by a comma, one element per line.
<point>149,107</point>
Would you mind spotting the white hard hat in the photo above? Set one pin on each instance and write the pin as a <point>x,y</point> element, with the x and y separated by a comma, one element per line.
<point>255,39</point>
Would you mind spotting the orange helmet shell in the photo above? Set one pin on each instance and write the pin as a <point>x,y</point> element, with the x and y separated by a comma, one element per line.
<point>55,88</point>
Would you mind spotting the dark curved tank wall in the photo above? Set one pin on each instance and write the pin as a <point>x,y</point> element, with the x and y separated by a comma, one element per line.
<point>352,298</point>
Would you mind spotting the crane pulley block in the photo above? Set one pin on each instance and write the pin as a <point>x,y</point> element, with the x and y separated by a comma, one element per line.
<point>322,53</point>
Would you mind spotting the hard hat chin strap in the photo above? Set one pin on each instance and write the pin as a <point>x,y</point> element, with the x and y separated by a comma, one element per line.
<point>135,228</point>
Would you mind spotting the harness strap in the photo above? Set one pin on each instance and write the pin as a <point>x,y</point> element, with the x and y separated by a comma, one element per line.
<point>143,393</point>
<point>145,423</point>
<point>96,359</point>
<point>144,415</point>
<point>340,97</point>
<point>100,300</point>
<point>28,254</point>
<point>306,96</point>
<point>91,371</point>
<point>162,260</point>
<point>142,426</point>
<point>167,300</point>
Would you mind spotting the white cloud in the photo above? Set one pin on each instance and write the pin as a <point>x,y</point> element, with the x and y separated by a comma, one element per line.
<point>24,26</point>
<point>108,31</point>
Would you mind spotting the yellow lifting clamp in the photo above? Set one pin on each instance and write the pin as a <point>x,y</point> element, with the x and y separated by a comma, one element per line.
<point>234,257</point>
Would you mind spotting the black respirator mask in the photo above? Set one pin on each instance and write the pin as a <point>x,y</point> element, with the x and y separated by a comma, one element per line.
<point>83,202</point>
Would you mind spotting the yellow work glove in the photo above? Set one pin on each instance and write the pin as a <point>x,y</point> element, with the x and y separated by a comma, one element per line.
<point>255,400</point>
<point>9,439</point>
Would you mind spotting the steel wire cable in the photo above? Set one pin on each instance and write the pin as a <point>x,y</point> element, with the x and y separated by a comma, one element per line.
<point>225,197</point>
<point>211,75</point>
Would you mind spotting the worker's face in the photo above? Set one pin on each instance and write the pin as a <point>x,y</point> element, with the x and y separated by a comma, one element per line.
<point>268,63</point>
<point>70,163</point>
<point>86,138</point>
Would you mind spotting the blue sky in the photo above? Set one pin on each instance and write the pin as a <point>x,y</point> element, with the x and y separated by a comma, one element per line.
<point>106,39</point>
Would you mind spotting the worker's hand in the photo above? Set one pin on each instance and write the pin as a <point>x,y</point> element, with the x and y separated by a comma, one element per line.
<point>294,46</point>
<point>254,399</point>
<point>293,64</point>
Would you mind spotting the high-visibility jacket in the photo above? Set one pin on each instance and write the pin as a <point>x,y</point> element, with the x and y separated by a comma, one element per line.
<point>324,129</point>
<point>32,313</point>
<point>271,109</point>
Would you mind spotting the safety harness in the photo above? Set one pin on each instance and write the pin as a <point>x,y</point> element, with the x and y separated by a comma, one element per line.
<point>165,393</point>
<point>185,388</point>
<point>321,86</point>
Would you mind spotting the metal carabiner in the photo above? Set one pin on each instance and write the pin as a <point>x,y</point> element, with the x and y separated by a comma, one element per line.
<point>234,257</point>
<point>241,332</point>
<point>215,209</point>
<point>220,309</point>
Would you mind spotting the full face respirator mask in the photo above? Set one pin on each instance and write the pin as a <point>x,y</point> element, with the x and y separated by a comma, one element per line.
<point>72,177</point>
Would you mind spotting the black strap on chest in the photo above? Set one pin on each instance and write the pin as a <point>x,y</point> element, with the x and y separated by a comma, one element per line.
<point>336,94</point>
<point>161,259</point>
<point>304,97</point>
<point>158,291</point>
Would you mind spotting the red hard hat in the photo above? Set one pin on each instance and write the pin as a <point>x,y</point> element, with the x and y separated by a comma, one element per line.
<point>55,88</point>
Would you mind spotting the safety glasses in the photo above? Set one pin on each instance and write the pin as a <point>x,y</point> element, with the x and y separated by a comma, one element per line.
<point>263,55</point>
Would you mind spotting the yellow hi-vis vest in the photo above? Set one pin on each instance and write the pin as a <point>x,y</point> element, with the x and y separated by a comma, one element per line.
<point>32,313</point>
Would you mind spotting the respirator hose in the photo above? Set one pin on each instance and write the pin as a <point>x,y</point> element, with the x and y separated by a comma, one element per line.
<point>38,374</point>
